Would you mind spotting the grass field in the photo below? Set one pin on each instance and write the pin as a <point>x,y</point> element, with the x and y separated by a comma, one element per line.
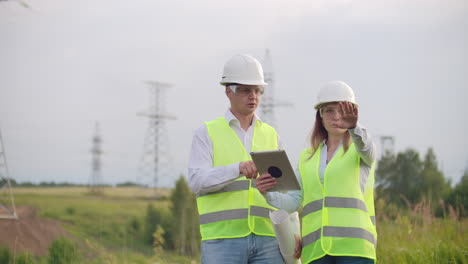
<point>415,235</point>
<point>441,241</point>
<point>101,223</point>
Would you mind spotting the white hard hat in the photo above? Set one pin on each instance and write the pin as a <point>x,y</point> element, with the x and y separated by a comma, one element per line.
<point>243,69</point>
<point>335,91</point>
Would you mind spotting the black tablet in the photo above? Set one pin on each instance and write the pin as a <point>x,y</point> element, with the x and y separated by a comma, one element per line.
<point>276,163</point>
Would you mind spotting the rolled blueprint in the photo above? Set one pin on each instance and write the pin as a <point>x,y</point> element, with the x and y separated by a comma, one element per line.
<point>286,226</point>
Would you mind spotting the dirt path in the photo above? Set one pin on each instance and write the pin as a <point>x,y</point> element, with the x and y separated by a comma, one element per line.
<point>29,233</point>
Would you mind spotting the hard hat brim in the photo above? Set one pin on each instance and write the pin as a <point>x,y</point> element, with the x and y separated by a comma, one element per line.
<point>319,105</point>
<point>244,83</point>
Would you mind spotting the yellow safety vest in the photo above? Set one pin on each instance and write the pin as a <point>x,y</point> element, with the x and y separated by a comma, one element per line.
<point>338,216</point>
<point>237,209</point>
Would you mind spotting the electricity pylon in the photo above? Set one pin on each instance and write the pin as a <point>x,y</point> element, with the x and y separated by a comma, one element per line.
<point>269,102</point>
<point>7,203</point>
<point>387,144</point>
<point>96,184</point>
<point>155,159</point>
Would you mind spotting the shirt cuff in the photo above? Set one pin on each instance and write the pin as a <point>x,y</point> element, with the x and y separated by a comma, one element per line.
<point>272,199</point>
<point>356,130</point>
<point>233,170</point>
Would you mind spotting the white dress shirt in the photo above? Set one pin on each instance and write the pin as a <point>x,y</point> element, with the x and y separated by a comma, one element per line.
<point>203,177</point>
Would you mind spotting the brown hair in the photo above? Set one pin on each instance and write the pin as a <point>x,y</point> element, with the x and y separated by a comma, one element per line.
<point>319,134</point>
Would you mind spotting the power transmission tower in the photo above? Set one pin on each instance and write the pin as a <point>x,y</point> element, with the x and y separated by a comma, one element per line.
<point>387,144</point>
<point>155,159</point>
<point>269,103</point>
<point>7,203</point>
<point>96,180</point>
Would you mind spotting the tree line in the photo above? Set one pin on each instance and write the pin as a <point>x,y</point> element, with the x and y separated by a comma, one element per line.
<point>404,179</point>
<point>15,183</point>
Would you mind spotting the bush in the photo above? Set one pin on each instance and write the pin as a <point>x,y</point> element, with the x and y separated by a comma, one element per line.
<point>62,251</point>
<point>5,255</point>
<point>25,258</point>
<point>154,217</point>
<point>70,210</point>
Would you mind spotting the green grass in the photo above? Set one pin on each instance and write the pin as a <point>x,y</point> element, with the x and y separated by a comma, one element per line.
<point>440,241</point>
<point>105,225</point>
<point>92,216</point>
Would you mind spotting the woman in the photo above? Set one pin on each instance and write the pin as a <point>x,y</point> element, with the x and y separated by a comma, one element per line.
<point>337,178</point>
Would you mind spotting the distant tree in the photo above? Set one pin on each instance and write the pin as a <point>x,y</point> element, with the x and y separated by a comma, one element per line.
<point>400,176</point>
<point>26,184</point>
<point>186,235</point>
<point>433,184</point>
<point>127,184</point>
<point>385,171</point>
<point>458,198</point>
<point>46,184</point>
<point>3,182</point>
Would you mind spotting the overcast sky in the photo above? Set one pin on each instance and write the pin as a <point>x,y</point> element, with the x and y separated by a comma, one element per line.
<point>66,64</point>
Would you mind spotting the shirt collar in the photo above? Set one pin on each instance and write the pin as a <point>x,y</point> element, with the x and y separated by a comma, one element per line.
<point>229,116</point>
<point>324,143</point>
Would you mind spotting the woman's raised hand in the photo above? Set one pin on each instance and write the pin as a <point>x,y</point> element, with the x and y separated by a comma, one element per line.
<point>349,115</point>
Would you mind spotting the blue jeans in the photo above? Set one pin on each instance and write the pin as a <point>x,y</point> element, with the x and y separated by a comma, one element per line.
<point>342,260</point>
<point>250,249</point>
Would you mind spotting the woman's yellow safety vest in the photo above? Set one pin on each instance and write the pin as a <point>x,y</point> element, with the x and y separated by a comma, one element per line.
<point>338,217</point>
<point>237,209</point>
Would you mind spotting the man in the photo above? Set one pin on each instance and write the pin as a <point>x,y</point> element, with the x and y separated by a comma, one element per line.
<point>234,216</point>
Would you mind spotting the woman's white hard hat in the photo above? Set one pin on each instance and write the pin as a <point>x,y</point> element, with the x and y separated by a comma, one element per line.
<point>243,69</point>
<point>335,91</point>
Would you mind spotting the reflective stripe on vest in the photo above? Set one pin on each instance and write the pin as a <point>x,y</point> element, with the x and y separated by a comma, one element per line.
<point>237,209</point>
<point>260,211</point>
<point>338,202</point>
<point>234,214</point>
<point>354,232</point>
<point>223,216</point>
<point>311,238</point>
<point>345,203</point>
<point>336,231</point>
<point>312,207</point>
<point>234,186</point>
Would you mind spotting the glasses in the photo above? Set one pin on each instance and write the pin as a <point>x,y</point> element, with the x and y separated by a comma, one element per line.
<point>243,90</point>
<point>330,112</point>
